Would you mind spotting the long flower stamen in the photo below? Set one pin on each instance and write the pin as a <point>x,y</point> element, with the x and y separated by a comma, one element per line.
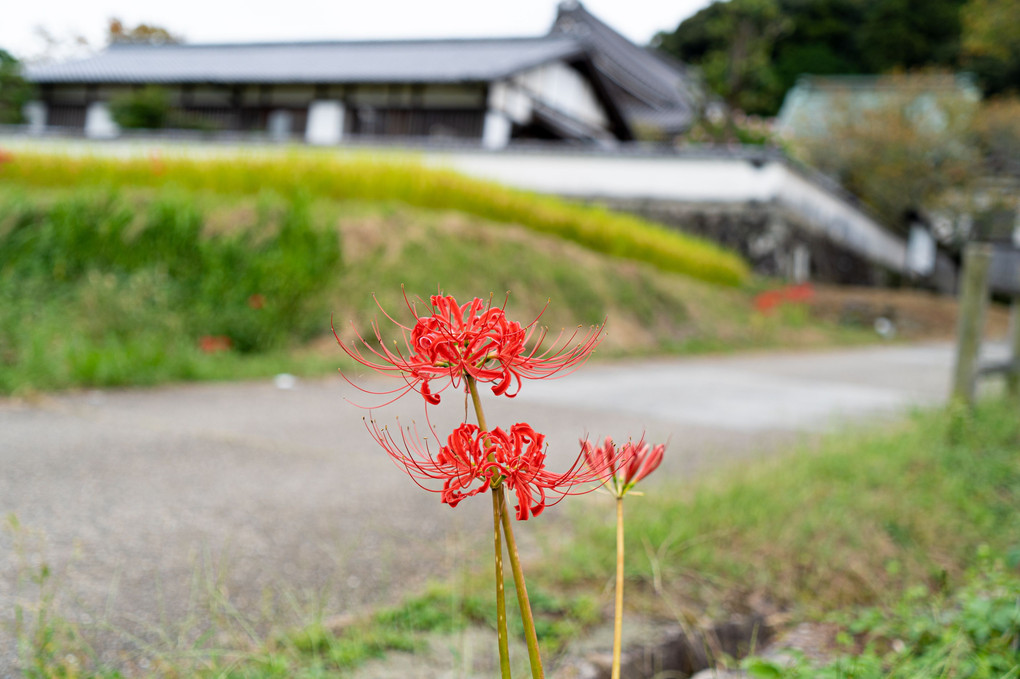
<point>474,339</point>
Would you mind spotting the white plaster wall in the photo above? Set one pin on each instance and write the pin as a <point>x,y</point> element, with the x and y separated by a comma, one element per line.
<point>823,211</point>
<point>35,113</point>
<point>564,89</point>
<point>661,177</point>
<point>325,125</point>
<point>99,123</point>
<point>508,99</point>
<point>497,129</point>
<point>691,180</point>
<point>279,124</point>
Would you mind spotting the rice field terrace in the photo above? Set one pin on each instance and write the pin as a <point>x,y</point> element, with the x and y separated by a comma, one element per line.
<point>142,271</point>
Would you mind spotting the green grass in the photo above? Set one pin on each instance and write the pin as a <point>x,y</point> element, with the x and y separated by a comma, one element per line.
<point>863,517</point>
<point>94,292</point>
<point>103,288</point>
<point>910,533</point>
<point>363,179</point>
<point>319,649</point>
<point>971,633</point>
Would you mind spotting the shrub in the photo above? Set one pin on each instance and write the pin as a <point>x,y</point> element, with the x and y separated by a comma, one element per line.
<point>147,108</point>
<point>88,295</point>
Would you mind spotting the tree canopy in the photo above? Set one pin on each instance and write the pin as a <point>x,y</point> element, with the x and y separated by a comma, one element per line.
<point>14,90</point>
<point>142,34</point>
<point>752,51</point>
<point>147,108</point>
<point>900,147</point>
<point>991,43</point>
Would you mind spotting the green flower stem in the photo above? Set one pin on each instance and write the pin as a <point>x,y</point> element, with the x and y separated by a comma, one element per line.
<point>501,628</point>
<point>499,496</point>
<point>497,502</point>
<point>522,595</point>
<point>618,618</point>
<point>476,401</point>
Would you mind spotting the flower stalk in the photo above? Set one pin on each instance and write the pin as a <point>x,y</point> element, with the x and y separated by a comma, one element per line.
<point>621,468</point>
<point>530,635</point>
<point>451,345</point>
<point>497,511</point>
<point>502,513</point>
<point>501,627</point>
<point>618,617</point>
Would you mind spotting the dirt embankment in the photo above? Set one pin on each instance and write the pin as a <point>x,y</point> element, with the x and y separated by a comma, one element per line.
<point>915,314</point>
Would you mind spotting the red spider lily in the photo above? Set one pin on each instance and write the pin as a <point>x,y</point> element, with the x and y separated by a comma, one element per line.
<point>213,344</point>
<point>769,300</point>
<point>624,467</point>
<point>156,164</point>
<point>474,460</point>
<point>474,339</point>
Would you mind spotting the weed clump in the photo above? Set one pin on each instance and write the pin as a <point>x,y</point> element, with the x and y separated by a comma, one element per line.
<point>92,294</point>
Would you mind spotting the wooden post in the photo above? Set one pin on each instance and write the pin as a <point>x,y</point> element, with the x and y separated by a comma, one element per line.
<point>971,319</point>
<point>1013,376</point>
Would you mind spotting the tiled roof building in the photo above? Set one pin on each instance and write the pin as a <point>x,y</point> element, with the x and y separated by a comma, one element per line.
<point>582,83</point>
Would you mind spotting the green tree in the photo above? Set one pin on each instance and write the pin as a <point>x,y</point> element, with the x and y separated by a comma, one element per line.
<point>903,147</point>
<point>733,44</point>
<point>142,34</point>
<point>910,34</point>
<point>991,43</point>
<point>997,133</point>
<point>753,51</point>
<point>14,90</point>
<point>823,40</point>
<point>147,108</point>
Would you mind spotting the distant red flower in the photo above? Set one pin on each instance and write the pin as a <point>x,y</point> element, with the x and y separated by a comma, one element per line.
<point>212,344</point>
<point>766,301</point>
<point>623,467</point>
<point>156,163</point>
<point>474,339</point>
<point>473,461</point>
<point>6,156</point>
<point>257,301</point>
<point>802,292</point>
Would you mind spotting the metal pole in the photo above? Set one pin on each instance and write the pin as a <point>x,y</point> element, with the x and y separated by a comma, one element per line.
<point>1013,376</point>
<point>971,319</point>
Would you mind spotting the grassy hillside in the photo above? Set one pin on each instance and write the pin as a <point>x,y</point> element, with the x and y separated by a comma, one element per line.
<point>106,287</point>
<point>321,176</point>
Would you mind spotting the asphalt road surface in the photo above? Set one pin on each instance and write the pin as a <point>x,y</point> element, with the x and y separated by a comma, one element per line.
<point>153,507</point>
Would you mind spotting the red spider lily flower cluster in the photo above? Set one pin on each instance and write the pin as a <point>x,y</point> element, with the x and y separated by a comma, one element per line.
<point>474,460</point>
<point>622,468</point>
<point>770,300</point>
<point>463,345</point>
<point>475,339</point>
<point>476,342</point>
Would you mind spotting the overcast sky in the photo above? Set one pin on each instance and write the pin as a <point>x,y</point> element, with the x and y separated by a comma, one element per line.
<point>240,21</point>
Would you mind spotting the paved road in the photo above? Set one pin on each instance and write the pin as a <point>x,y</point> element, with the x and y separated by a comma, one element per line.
<point>149,503</point>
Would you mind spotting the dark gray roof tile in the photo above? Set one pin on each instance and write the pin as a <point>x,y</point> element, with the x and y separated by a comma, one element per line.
<point>661,84</point>
<point>409,61</point>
